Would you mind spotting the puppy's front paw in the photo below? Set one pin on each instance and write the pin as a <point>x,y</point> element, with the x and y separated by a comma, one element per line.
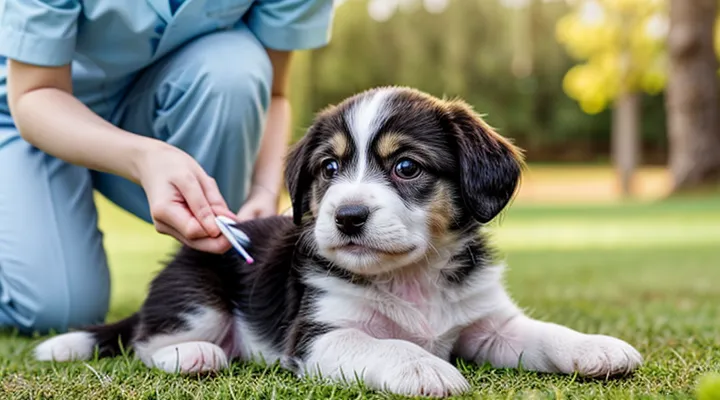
<point>424,376</point>
<point>598,356</point>
<point>190,358</point>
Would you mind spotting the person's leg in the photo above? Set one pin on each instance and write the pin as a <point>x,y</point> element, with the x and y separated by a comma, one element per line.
<point>210,99</point>
<point>53,268</point>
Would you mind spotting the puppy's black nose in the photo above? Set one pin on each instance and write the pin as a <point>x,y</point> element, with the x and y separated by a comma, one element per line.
<point>350,219</point>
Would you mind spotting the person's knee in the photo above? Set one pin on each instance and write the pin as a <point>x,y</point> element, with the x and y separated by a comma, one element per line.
<point>234,85</point>
<point>88,304</point>
<point>62,312</point>
<point>241,78</point>
<point>59,308</point>
<point>53,267</point>
<point>246,82</point>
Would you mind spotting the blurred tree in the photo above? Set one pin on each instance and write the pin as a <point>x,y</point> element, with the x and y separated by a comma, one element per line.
<point>621,44</point>
<point>522,35</point>
<point>692,94</point>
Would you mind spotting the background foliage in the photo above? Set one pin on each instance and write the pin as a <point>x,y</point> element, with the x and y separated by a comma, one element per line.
<point>517,77</point>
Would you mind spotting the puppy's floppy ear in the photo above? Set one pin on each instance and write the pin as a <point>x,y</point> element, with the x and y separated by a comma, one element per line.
<point>490,166</point>
<point>298,178</point>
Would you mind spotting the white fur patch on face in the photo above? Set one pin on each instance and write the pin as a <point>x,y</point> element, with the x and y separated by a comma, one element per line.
<point>365,119</point>
<point>394,235</point>
<point>67,347</point>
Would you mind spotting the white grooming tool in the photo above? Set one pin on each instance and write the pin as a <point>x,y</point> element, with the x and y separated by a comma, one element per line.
<point>237,238</point>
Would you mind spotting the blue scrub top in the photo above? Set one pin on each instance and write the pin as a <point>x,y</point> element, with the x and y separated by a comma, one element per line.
<point>109,41</point>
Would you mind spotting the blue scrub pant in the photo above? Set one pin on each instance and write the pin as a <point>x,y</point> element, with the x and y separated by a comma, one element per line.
<point>209,98</point>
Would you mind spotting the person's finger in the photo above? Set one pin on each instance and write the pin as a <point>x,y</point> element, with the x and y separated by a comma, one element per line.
<point>180,219</point>
<point>216,245</point>
<point>214,197</point>
<point>166,229</point>
<point>225,212</point>
<point>194,195</point>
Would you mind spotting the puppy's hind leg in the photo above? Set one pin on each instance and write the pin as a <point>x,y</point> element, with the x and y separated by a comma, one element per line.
<point>194,346</point>
<point>190,358</point>
<point>510,339</point>
<point>108,339</point>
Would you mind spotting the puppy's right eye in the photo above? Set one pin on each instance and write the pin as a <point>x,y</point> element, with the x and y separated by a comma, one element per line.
<point>407,169</point>
<point>330,168</point>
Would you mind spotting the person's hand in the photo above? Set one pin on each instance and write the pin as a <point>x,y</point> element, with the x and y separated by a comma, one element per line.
<point>183,199</point>
<point>260,203</point>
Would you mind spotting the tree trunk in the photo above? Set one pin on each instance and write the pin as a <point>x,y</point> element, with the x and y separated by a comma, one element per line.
<point>522,38</point>
<point>693,108</point>
<point>625,139</point>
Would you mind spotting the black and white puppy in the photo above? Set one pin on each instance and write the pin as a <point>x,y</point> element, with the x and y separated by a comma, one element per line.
<point>382,273</point>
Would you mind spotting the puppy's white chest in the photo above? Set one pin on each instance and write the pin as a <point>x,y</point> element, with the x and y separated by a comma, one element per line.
<point>427,323</point>
<point>407,312</point>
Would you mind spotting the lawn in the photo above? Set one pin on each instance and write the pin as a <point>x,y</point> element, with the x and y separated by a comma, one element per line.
<point>645,272</point>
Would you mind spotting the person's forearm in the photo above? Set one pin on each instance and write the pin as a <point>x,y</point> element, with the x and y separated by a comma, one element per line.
<point>268,171</point>
<point>59,124</point>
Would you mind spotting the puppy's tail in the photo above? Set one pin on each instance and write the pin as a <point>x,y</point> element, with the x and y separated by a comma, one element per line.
<point>109,340</point>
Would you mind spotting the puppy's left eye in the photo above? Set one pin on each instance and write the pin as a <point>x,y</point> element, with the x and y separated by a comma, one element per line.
<point>330,168</point>
<point>407,169</point>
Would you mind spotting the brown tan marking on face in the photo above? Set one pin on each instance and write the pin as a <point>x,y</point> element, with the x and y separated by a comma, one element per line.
<point>389,143</point>
<point>441,211</point>
<point>339,144</point>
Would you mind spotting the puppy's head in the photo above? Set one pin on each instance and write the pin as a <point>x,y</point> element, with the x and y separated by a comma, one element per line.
<point>390,176</point>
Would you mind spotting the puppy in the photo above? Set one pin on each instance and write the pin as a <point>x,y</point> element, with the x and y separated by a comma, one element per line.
<point>383,273</point>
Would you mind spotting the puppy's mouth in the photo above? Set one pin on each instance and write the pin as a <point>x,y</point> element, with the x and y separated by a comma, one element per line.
<point>363,249</point>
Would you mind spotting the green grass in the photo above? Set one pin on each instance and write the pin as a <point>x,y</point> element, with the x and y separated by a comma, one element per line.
<point>647,273</point>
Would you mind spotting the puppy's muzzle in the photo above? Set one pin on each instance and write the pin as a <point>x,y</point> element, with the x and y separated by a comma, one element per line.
<point>350,219</point>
